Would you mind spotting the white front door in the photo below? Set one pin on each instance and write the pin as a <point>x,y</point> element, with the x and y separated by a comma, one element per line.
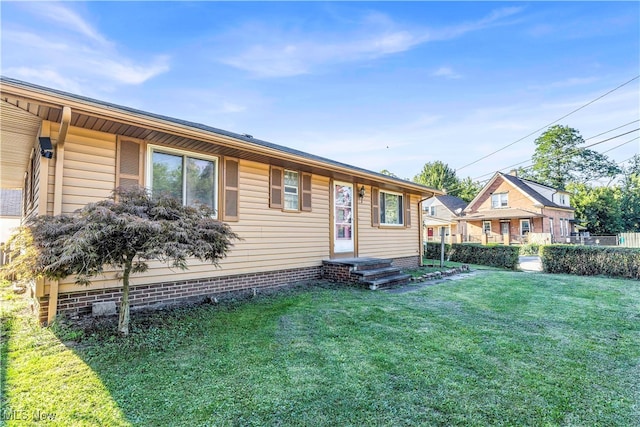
<point>342,217</point>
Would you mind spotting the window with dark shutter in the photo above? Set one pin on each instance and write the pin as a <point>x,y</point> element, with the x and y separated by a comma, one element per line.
<point>375,207</point>
<point>306,192</point>
<point>275,187</point>
<point>129,163</point>
<point>231,180</point>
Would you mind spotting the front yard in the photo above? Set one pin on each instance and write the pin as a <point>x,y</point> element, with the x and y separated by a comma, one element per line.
<point>497,348</point>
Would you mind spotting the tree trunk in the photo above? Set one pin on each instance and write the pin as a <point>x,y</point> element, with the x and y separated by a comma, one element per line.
<point>123,321</point>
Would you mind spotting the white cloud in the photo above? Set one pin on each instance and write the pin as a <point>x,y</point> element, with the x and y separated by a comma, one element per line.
<point>44,76</point>
<point>67,18</point>
<point>70,51</point>
<point>123,71</point>
<point>286,53</point>
<point>446,72</point>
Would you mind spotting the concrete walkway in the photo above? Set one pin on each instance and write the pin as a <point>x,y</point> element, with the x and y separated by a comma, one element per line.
<point>530,263</point>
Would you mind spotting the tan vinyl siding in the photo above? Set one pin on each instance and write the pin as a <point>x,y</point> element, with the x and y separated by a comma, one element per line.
<point>273,239</point>
<point>386,241</point>
<point>89,167</point>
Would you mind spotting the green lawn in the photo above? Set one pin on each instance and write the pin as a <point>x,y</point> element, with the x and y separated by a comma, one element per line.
<point>496,348</point>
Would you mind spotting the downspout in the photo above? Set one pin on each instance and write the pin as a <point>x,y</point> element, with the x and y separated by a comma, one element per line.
<point>421,229</point>
<point>57,200</point>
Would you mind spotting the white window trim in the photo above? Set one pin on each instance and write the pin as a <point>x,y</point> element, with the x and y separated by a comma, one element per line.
<point>284,190</point>
<point>484,230</point>
<point>500,197</point>
<point>401,208</point>
<point>528,221</point>
<point>551,227</point>
<point>169,150</point>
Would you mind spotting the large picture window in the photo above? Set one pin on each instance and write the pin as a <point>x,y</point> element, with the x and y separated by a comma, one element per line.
<point>391,208</point>
<point>189,178</point>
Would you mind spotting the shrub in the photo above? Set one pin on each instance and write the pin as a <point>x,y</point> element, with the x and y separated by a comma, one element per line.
<point>495,256</point>
<point>432,250</point>
<point>530,249</point>
<point>591,260</point>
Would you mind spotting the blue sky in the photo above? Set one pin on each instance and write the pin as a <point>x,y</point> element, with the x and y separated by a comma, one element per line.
<point>380,85</point>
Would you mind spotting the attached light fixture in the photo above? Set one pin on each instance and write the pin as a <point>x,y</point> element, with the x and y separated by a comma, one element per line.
<point>361,193</point>
<point>46,148</point>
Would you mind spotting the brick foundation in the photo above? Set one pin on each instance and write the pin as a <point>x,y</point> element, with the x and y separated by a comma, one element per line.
<point>175,292</point>
<point>407,262</point>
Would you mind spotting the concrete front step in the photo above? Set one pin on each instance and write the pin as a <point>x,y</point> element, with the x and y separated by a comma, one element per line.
<point>377,273</point>
<point>400,279</point>
<point>374,273</point>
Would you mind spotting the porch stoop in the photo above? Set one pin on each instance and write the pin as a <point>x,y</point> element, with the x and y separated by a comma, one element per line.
<point>374,273</point>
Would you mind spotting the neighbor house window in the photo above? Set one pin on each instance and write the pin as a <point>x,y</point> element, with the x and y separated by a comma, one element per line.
<point>551,226</point>
<point>432,210</point>
<point>391,208</point>
<point>486,227</point>
<point>500,200</point>
<point>525,226</point>
<point>192,179</point>
<point>291,187</point>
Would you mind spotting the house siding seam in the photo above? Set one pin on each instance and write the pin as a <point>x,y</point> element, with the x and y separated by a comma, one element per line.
<point>175,292</point>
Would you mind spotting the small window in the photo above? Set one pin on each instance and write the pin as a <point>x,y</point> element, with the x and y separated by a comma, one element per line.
<point>291,193</point>
<point>289,190</point>
<point>551,226</point>
<point>525,226</point>
<point>486,227</point>
<point>500,200</point>
<point>432,210</point>
<point>188,178</point>
<point>391,208</point>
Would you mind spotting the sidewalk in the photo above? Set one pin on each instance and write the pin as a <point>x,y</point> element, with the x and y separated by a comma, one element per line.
<point>530,263</point>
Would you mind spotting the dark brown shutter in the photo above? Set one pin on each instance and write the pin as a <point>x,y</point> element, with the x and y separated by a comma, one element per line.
<point>275,187</point>
<point>306,192</point>
<point>129,163</point>
<point>375,207</point>
<point>406,198</point>
<point>231,180</point>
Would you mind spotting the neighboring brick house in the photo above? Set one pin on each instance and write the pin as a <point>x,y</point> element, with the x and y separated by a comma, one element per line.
<point>442,212</point>
<point>515,210</point>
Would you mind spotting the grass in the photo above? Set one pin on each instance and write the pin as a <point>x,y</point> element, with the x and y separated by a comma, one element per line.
<point>497,348</point>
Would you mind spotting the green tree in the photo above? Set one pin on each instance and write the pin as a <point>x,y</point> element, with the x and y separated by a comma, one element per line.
<point>125,232</point>
<point>437,175</point>
<point>630,198</point>
<point>440,176</point>
<point>559,160</point>
<point>467,189</point>
<point>597,208</point>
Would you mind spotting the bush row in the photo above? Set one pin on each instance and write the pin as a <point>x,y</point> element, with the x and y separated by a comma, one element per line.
<point>432,250</point>
<point>495,256</point>
<point>591,260</point>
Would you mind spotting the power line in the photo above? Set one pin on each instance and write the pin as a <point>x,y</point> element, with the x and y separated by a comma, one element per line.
<point>611,130</point>
<point>608,139</point>
<point>587,146</point>
<point>547,125</point>
<point>620,145</point>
